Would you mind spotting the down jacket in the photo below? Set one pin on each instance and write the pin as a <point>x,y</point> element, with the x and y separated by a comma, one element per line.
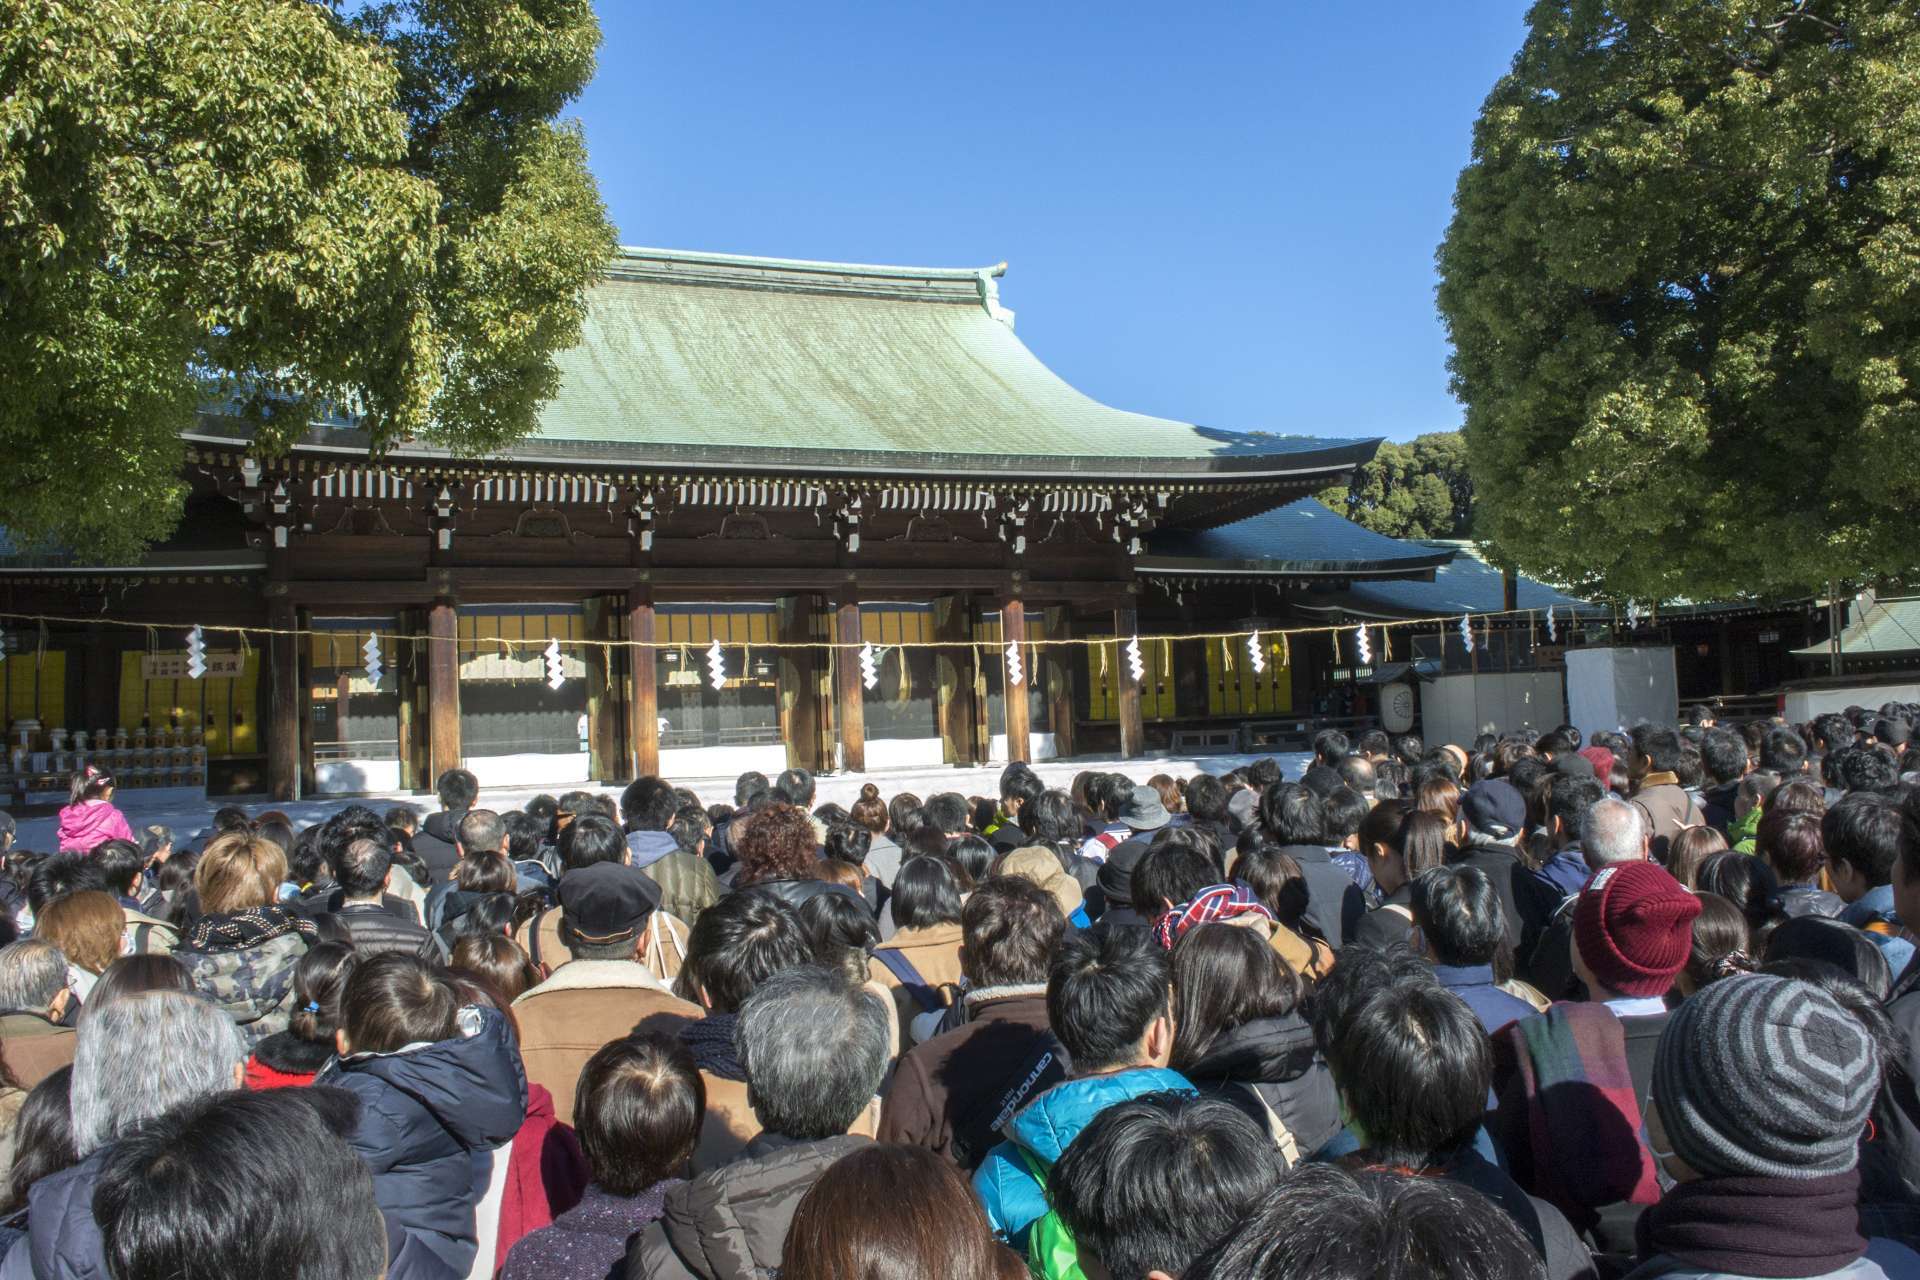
<point>1271,1070</point>
<point>1005,1183</point>
<point>431,1117</point>
<point>731,1223</point>
<point>687,883</point>
<point>63,1240</point>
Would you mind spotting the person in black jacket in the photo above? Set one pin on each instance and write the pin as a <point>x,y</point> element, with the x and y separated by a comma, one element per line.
<point>438,840</point>
<point>1238,1035</point>
<point>364,870</point>
<point>1496,815</point>
<point>1296,819</point>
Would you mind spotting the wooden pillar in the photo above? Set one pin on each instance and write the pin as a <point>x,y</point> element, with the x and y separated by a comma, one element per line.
<point>1013,630</point>
<point>954,676</point>
<point>801,712</point>
<point>443,690</point>
<point>1133,730</point>
<point>643,691</point>
<point>850,694</point>
<point>406,659</point>
<point>1060,662</point>
<point>283,733</point>
<point>606,762</point>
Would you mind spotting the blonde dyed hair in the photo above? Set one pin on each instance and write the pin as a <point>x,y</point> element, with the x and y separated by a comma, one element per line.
<point>239,872</point>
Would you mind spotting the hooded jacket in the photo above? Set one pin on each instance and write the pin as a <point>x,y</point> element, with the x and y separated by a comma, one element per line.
<point>687,883</point>
<point>1014,1198</point>
<point>431,1117</point>
<point>1272,1065</point>
<point>730,1224</point>
<point>1334,902</point>
<point>252,984</point>
<point>86,826</point>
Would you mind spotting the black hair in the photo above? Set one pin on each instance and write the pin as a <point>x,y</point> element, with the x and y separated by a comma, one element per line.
<point>926,892</point>
<point>1170,873</point>
<point>120,864</point>
<point>394,999</point>
<point>1207,798</point>
<point>1571,798</point>
<point>648,804</point>
<point>1323,1223</point>
<point>1414,1065</point>
<point>1783,752</point>
<point>1847,949</point>
<point>1346,810</point>
<point>591,839</point>
<point>738,943</point>
<point>1723,755</point>
<point>1410,749</point>
<point>458,789</point>
<point>1373,742</point>
<point>61,875</point>
<point>319,981</point>
<point>1291,814</point>
<point>1661,747</point>
<point>1021,784</point>
<point>1154,1181</point>
<point>43,1137</point>
<point>1103,992</point>
<point>947,811</point>
<point>168,1202</point>
<point>1871,769</point>
<point>638,1111</point>
<point>849,842</point>
<point>1010,928</point>
<point>1459,912</point>
<point>1329,745</point>
<point>841,932</point>
<point>749,789</point>
<point>795,786</point>
<point>1265,772</point>
<point>1745,881</point>
<point>524,833</point>
<point>1051,819</point>
<point>1225,977</point>
<point>1362,971</point>
<point>974,854</point>
<point>1863,831</point>
<point>361,868</point>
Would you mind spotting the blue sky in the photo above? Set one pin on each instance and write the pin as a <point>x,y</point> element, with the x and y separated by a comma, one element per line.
<point>1224,214</point>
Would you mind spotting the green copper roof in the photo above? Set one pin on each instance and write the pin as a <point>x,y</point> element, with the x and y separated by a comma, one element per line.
<point>702,358</point>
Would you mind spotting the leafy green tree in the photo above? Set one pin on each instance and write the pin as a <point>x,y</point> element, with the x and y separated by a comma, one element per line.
<point>286,204</point>
<point>1420,489</point>
<point>1683,287</point>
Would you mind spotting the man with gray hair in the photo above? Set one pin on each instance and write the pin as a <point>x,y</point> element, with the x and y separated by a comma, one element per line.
<point>137,1058</point>
<point>1614,831</point>
<point>814,1047</point>
<point>478,831</point>
<point>34,998</point>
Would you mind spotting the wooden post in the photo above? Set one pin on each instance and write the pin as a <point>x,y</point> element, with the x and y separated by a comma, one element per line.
<point>643,694</point>
<point>406,660</point>
<point>605,761</point>
<point>443,690</point>
<point>850,706</point>
<point>1060,663</point>
<point>1013,630</point>
<point>1133,730</point>
<point>798,676</point>
<point>283,734</point>
<point>953,668</point>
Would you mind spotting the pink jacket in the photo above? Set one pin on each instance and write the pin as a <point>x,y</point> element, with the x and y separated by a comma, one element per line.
<point>86,826</point>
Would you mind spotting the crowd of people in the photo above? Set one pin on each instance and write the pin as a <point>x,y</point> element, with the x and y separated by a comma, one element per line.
<point>1543,1005</point>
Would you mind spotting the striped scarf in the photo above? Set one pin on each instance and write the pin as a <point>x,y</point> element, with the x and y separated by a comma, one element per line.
<point>238,930</point>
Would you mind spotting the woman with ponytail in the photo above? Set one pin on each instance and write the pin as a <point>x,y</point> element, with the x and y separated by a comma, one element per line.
<point>291,1058</point>
<point>90,819</point>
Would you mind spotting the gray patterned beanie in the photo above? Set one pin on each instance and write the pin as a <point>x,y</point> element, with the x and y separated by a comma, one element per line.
<point>1765,1077</point>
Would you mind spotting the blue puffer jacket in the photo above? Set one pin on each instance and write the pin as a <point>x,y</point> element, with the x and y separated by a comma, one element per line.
<point>63,1241</point>
<point>1014,1198</point>
<point>430,1118</point>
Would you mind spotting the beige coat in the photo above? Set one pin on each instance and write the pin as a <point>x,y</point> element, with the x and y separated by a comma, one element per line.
<point>666,943</point>
<point>586,1004</point>
<point>934,953</point>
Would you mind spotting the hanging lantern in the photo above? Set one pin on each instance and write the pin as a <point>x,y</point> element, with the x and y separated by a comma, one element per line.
<point>716,666</point>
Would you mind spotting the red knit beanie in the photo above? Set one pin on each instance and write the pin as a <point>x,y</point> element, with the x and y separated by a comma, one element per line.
<point>1633,924</point>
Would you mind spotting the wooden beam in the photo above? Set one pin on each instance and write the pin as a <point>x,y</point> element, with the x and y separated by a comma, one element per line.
<point>443,690</point>
<point>1013,630</point>
<point>643,691</point>
<point>283,733</point>
<point>1133,730</point>
<point>605,761</point>
<point>850,705</point>
<point>1060,662</point>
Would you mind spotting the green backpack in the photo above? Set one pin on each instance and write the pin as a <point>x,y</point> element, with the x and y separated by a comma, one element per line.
<point>1052,1253</point>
